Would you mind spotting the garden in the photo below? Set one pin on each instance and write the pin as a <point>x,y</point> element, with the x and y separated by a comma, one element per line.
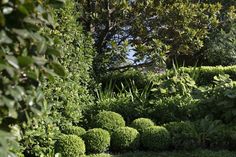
<point>108,78</point>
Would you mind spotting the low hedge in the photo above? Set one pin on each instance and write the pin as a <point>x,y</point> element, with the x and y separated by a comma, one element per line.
<point>202,75</point>
<point>125,139</point>
<point>70,146</point>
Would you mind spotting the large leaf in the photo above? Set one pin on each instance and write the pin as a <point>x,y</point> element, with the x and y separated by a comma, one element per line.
<point>25,61</point>
<point>58,69</point>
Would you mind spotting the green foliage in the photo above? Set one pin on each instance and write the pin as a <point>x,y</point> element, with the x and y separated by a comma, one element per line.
<point>160,31</point>
<point>211,133</point>
<point>221,47</point>
<point>65,96</point>
<point>180,83</point>
<point>155,138</point>
<point>39,136</point>
<point>141,124</point>
<point>219,101</point>
<point>108,120</point>
<point>173,108</point>
<point>26,56</point>
<point>125,139</point>
<point>73,130</point>
<point>204,75</point>
<point>97,140</point>
<point>70,145</point>
<point>183,135</point>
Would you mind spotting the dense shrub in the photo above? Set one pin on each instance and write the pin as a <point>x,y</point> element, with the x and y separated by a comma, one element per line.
<point>205,75</point>
<point>108,120</point>
<point>96,140</point>
<point>173,108</point>
<point>219,100</point>
<point>141,124</point>
<point>125,139</point>
<point>183,135</point>
<point>155,138</point>
<point>213,133</point>
<point>71,93</point>
<point>73,130</point>
<point>70,145</point>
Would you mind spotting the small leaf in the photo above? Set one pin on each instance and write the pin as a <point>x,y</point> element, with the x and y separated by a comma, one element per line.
<point>2,20</point>
<point>12,61</point>
<point>40,60</point>
<point>4,39</point>
<point>42,46</point>
<point>22,32</point>
<point>23,10</point>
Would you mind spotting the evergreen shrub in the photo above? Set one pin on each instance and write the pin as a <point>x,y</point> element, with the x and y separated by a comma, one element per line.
<point>125,139</point>
<point>142,123</point>
<point>183,135</point>
<point>73,130</point>
<point>97,140</point>
<point>70,146</point>
<point>108,120</point>
<point>155,138</point>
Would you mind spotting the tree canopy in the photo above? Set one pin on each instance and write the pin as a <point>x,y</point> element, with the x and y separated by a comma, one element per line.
<point>156,31</point>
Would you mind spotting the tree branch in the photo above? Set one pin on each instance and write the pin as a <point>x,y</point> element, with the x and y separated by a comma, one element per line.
<point>131,66</point>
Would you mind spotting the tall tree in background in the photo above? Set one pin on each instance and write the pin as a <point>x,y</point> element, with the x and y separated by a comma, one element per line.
<point>156,31</point>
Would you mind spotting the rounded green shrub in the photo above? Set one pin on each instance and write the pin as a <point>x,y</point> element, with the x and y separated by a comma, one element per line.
<point>108,120</point>
<point>142,123</point>
<point>155,138</point>
<point>125,139</point>
<point>70,146</point>
<point>97,140</point>
<point>73,130</point>
<point>183,135</point>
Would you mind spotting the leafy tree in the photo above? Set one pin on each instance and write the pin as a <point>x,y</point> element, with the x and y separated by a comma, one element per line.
<point>221,47</point>
<point>155,30</point>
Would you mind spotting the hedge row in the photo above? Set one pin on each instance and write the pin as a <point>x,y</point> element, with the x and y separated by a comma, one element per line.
<point>202,75</point>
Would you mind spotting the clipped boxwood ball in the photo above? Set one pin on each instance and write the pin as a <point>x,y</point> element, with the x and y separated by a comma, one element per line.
<point>108,120</point>
<point>70,146</point>
<point>125,139</point>
<point>155,138</point>
<point>73,130</point>
<point>142,123</point>
<point>183,135</point>
<point>97,140</point>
